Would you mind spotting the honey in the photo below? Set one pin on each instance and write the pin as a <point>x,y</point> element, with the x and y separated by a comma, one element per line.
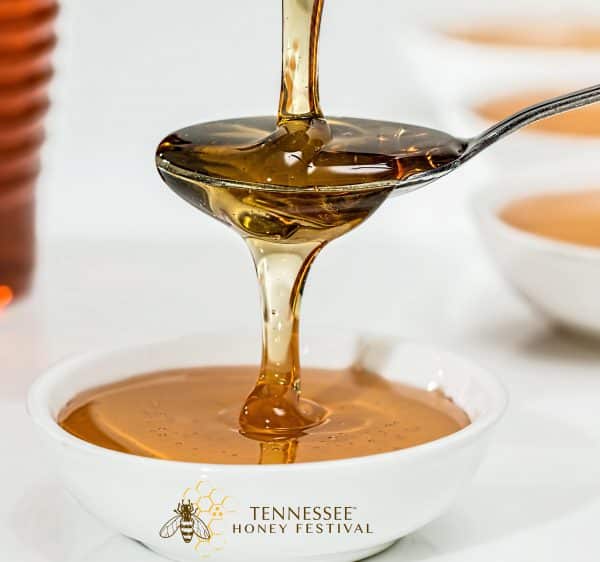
<point>572,217</point>
<point>539,35</point>
<point>192,415</point>
<point>288,184</point>
<point>27,39</point>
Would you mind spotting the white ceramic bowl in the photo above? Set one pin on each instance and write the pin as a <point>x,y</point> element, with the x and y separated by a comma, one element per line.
<point>450,68</point>
<point>388,495</point>
<point>559,279</point>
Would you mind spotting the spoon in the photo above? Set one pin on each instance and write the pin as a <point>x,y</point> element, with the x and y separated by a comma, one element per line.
<point>527,116</point>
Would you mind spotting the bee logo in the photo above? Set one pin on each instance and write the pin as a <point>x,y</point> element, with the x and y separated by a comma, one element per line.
<point>186,521</point>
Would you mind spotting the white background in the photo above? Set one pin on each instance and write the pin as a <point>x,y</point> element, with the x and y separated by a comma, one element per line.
<point>123,260</point>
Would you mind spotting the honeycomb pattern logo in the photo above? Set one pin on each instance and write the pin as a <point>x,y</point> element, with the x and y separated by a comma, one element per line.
<point>213,508</point>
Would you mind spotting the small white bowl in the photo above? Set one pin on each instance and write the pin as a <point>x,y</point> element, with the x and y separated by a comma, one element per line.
<point>450,68</point>
<point>388,495</point>
<point>559,279</point>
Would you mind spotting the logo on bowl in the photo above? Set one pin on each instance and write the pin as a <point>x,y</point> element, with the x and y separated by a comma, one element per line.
<point>199,517</point>
<point>203,519</point>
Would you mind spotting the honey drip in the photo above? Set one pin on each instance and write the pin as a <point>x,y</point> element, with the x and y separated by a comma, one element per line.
<point>299,97</point>
<point>288,185</point>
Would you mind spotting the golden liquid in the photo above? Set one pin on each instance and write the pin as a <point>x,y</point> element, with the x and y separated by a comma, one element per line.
<point>582,122</point>
<point>288,185</point>
<point>306,153</point>
<point>26,42</point>
<point>191,415</point>
<point>537,35</point>
<point>568,217</point>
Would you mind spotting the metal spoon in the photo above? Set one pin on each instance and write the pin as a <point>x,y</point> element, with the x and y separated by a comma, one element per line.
<point>475,145</point>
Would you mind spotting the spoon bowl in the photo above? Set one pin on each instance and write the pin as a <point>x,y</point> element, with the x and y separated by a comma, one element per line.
<point>430,154</point>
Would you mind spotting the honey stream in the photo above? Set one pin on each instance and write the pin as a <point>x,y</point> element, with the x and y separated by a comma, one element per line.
<point>289,185</point>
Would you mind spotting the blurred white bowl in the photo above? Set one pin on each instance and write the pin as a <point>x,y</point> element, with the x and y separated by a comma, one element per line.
<point>560,279</point>
<point>451,68</point>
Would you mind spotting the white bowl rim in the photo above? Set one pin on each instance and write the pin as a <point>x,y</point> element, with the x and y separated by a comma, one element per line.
<point>38,409</point>
<point>488,201</point>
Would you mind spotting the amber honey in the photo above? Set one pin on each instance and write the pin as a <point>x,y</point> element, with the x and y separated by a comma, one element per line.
<point>288,184</point>
<point>572,217</point>
<point>192,415</point>
<point>26,42</point>
<point>539,34</point>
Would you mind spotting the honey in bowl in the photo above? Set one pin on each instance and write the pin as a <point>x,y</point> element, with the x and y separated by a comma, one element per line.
<point>537,35</point>
<point>572,217</point>
<point>582,122</point>
<point>192,415</point>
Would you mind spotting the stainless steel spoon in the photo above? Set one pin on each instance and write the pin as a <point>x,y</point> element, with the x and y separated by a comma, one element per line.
<point>475,145</point>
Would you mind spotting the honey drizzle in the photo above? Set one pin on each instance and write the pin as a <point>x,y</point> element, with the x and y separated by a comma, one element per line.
<point>275,405</point>
<point>299,97</point>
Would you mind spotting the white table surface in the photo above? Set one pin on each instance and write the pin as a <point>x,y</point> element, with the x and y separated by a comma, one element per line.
<point>535,499</point>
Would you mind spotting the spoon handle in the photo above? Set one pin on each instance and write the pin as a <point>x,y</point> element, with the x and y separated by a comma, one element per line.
<point>531,115</point>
